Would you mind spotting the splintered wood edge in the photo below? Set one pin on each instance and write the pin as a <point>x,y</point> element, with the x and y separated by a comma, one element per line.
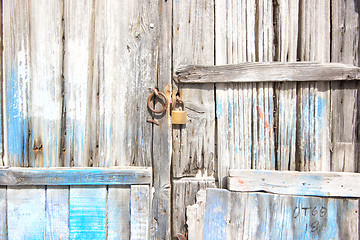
<point>12,176</point>
<point>267,72</point>
<point>324,184</point>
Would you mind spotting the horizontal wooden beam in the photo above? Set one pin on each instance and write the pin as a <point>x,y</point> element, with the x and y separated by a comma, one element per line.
<point>324,184</point>
<point>74,176</point>
<point>267,72</point>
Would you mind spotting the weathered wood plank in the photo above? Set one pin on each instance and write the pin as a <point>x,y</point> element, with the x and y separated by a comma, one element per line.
<point>326,184</point>
<point>3,213</point>
<point>57,212</point>
<point>162,134</point>
<point>139,211</point>
<point>184,195</point>
<point>195,215</point>
<point>267,72</point>
<point>124,76</point>
<point>255,216</point>
<point>118,222</point>
<point>286,36</point>
<point>75,176</point>
<point>26,212</point>
<point>193,41</point>
<point>344,99</point>
<point>87,212</point>
<point>16,84</point>
<point>78,62</point>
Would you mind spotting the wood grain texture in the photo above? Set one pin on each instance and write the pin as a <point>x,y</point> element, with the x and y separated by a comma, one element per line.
<point>344,95</point>
<point>184,195</point>
<point>139,211</point>
<point>75,176</point>
<point>124,76</point>
<point>78,66</point>
<point>267,72</point>
<point>195,215</point>
<point>3,213</point>
<point>286,15</point>
<point>87,212</point>
<point>325,184</point>
<point>193,41</point>
<point>26,212</point>
<point>57,212</point>
<point>118,215</point>
<point>314,97</point>
<point>304,217</point>
<point>162,134</point>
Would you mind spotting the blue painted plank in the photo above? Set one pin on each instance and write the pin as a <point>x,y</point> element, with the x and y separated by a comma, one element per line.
<point>3,227</point>
<point>216,214</point>
<point>75,176</point>
<point>57,213</point>
<point>26,213</point>
<point>140,212</point>
<point>87,212</point>
<point>118,213</point>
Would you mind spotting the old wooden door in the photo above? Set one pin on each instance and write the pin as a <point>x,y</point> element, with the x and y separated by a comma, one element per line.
<point>280,129</point>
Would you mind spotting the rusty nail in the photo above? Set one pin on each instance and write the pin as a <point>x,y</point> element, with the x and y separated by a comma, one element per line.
<point>153,121</point>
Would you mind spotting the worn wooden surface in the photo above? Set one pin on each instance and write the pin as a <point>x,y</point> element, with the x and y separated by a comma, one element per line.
<point>75,176</point>
<point>325,184</point>
<point>139,209</point>
<point>118,222</point>
<point>193,148</point>
<point>184,195</point>
<point>267,72</point>
<point>3,213</point>
<point>195,215</point>
<point>233,215</point>
<point>26,212</point>
<point>344,95</point>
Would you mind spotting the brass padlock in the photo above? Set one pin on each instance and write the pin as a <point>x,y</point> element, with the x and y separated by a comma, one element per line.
<point>178,116</point>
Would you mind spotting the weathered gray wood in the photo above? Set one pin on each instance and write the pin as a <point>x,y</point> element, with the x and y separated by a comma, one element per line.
<point>139,211</point>
<point>286,34</point>
<point>57,212</point>
<point>118,213</point>
<point>325,184</point>
<point>26,212</point>
<point>78,70</point>
<point>193,41</point>
<point>184,195</point>
<point>195,215</point>
<point>344,95</point>
<point>3,213</point>
<point>124,75</point>
<point>162,134</point>
<point>267,72</point>
<point>75,176</point>
<point>255,216</point>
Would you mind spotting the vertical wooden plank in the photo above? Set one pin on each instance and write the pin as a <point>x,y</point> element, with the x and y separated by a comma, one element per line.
<point>118,213</point>
<point>314,43</point>
<point>57,212</point>
<point>124,75</point>
<point>78,70</point>
<point>162,134</point>
<point>26,212</point>
<point>87,212</point>
<point>216,215</point>
<point>139,211</point>
<point>344,103</point>
<point>46,59</point>
<point>3,213</point>
<point>184,195</point>
<point>193,41</point>
<point>286,35</point>
<point>195,215</point>
<point>16,84</point>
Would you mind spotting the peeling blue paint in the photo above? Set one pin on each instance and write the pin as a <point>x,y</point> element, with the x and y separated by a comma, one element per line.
<point>230,115</point>
<point>219,109</point>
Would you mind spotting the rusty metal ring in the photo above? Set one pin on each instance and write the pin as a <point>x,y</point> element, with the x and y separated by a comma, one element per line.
<point>165,105</point>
